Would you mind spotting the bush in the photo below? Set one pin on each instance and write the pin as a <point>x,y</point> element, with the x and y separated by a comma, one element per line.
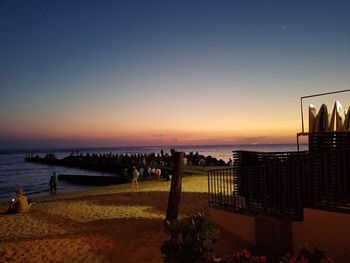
<point>307,255</point>
<point>191,240</point>
<point>244,256</point>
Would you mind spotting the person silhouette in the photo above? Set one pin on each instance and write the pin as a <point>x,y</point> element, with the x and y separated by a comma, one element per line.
<point>19,204</point>
<point>135,175</point>
<point>53,183</point>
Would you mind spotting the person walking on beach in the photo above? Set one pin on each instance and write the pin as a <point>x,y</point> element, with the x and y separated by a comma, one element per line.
<point>53,183</point>
<point>135,177</point>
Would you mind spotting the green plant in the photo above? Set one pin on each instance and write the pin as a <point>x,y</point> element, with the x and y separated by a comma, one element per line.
<point>191,240</point>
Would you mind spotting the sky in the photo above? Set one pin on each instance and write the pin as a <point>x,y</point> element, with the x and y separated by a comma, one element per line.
<point>132,73</point>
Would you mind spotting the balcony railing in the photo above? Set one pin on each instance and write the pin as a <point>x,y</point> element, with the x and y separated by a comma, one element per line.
<point>221,188</point>
<point>282,184</point>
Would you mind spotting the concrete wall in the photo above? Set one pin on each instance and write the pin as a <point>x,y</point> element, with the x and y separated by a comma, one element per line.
<point>323,229</point>
<point>320,229</point>
<point>240,225</point>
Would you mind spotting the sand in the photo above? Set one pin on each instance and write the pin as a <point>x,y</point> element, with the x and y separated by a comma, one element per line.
<point>108,224</point>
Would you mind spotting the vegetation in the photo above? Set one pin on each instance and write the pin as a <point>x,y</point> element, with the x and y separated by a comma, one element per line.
<point>192,241</point>
<point>307,255</point>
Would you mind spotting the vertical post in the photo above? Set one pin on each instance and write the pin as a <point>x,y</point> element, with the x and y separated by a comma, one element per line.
<point>209,189</point>
<point>302,114</point>
<point>175,188</point>
<point>298,142</point>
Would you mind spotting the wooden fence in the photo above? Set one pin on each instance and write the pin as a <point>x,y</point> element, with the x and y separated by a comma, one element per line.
<point>281,184</point>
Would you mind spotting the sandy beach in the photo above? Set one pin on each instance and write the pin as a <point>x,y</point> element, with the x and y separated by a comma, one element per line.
<point>109,224</point>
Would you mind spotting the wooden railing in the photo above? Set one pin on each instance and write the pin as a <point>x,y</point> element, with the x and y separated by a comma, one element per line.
<point>282,184</point>
<point>221,188</point>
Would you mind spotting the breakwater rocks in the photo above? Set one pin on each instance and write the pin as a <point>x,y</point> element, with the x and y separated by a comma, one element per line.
<point>122,164</point>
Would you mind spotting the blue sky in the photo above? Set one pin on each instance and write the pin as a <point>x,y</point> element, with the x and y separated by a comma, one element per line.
<point>112,73</point>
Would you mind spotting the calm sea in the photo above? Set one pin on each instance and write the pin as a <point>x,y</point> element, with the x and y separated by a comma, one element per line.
<point>33,178</point>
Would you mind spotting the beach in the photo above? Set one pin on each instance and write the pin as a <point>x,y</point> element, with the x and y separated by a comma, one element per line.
<point>109,224</point>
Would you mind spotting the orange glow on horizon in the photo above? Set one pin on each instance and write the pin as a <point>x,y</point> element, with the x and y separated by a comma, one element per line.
<point>134,130</point>
<point>109,137</point>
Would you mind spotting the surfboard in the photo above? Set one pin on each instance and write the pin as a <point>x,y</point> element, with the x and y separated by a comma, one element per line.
<point>332,119</point>
<point>346,126</point>
<point>312,117</point>
<point>337,118</point>
<point>322,119</point>
<point>340,117</point>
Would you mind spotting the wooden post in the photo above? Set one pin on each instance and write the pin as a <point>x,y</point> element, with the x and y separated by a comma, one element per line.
<point>175,188</point>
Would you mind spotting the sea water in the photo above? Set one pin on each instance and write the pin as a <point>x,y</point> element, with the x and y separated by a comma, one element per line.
<point>34,178</point>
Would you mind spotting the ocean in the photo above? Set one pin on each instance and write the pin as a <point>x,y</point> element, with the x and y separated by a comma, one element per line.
<point>33,178</point>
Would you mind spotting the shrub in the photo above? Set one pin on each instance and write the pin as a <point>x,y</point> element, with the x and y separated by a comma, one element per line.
<point>191,240</point>
<point>307,255</point>
<point>244,256</point>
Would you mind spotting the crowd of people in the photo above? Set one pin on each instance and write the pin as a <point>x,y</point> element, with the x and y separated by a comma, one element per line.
<point>123,164</point>
<point>114,162</point>
<point>152,159</point>
<point>134,166</point>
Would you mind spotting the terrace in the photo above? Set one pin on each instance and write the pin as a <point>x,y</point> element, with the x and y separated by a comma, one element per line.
<point>287,192</point>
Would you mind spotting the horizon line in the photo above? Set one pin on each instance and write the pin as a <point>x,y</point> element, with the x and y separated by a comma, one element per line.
<point>140,146</point>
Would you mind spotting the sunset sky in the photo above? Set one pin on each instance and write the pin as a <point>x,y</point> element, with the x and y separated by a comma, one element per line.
<point>127,73</point>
